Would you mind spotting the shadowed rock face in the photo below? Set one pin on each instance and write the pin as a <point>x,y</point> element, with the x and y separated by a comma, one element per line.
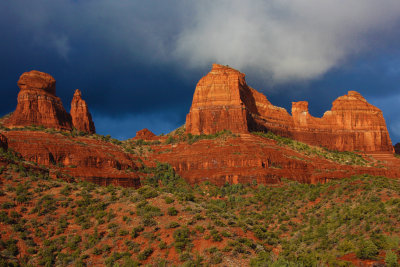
<point>145,134</point>
<point>81,117</point>
<point>223,100</point>
<point>3,142</point>
<point>38,104</point>
<point>397,148</point>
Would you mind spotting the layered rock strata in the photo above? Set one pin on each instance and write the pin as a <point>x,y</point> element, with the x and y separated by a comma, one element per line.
<point>38,103</point>
<point>223,100</point>
<point>85,158</point>
<point>249,158</point>
<point>81,117</point>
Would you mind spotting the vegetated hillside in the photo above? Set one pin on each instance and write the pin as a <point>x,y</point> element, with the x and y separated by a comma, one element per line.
<point>263,157</point>
<point>47,222</point>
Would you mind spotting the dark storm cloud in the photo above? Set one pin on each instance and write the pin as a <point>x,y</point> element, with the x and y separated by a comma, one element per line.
<point>137,62</point>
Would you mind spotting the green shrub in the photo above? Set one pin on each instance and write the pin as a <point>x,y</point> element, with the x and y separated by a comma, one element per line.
<point>169,200</point>
<point>367,250</point>
<point>145,254</point>
<point>136,231</point>
<point>172,211</point>
<point>147,192</point>
<point>173,225</point>
<point>182,238</point>
<point>391,259</point>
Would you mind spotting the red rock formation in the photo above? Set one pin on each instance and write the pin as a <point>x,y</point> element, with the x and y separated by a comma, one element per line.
<point>38,104</point>
<point>249,158</point>
<point>3,142</point>
<point>88,159</point>
<point>217,103</point>
<point>144,134</point>
<point>352,124</point>
<point>222,100</point>
<point>81,117</point>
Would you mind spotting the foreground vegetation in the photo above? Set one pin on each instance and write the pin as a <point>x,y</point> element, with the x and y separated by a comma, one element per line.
<point>46,222</point>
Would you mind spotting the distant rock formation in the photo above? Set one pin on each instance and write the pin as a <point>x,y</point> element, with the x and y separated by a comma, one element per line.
<point>144,134</point>
<point>81,117</point>
<point>352,124</point>
<point>223,100</point>
<point>3,142</point>
<point>38,103</point>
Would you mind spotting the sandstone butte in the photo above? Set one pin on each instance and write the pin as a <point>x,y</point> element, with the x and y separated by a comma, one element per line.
<point>38,103</point>
<point>81,157</point>
<point>144,134</point>
<point>81,117</point>
<point>223,100</point>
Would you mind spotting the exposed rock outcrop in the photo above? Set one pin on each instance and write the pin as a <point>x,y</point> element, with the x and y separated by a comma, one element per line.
<point>81,117</point>
<point>3,142</point>
<point>85,158</point>
<point>38,103</point>
<point>352,124</point>
<point>223,100</point>
<point>217,103</point>
<point>145,134</point>
<point>248,157</point>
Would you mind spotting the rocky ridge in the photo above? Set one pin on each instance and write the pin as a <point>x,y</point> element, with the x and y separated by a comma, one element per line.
<point>202,151</point>
<point>223,100</point>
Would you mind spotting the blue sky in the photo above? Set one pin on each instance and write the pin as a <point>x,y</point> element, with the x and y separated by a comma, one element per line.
<point>138,62</point>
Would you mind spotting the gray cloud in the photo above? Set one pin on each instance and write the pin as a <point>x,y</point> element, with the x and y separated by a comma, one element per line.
<point>282,40</point>
<point>286,40</point>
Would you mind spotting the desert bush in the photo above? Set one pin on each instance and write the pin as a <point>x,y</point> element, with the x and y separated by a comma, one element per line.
<point>367,250</point>
<point>182,238</point>
<point>172,211</point>
<point>391,259</point>
<point>145,254</point>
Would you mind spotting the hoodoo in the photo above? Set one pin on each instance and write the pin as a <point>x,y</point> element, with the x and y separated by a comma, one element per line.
<point>81,117</point>
<point>223,100</point>
<point>38,103</point>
